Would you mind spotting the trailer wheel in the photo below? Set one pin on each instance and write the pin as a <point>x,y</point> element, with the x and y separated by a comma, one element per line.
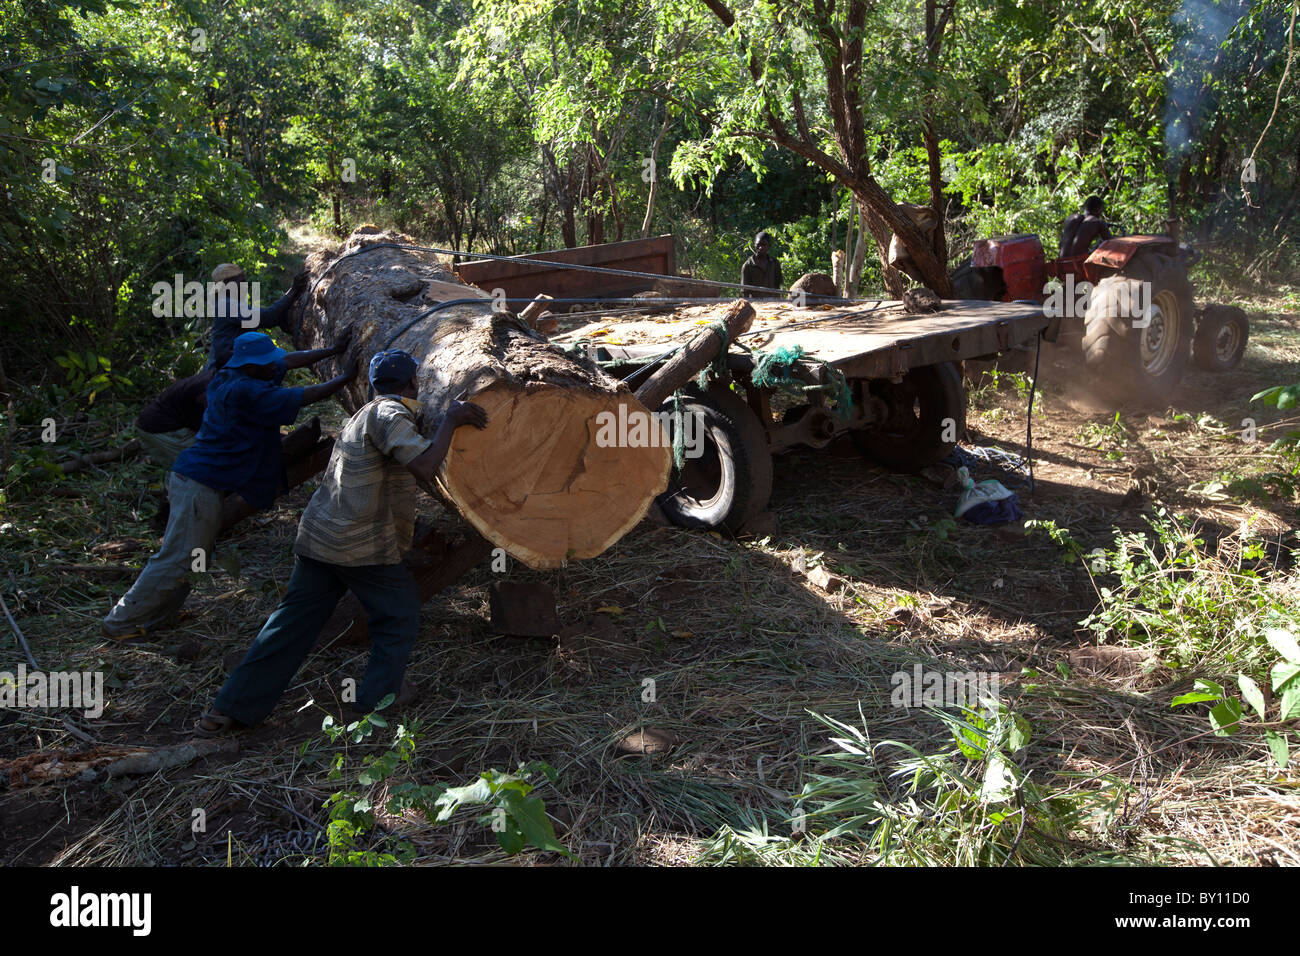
<point>731,480</point>
<point>927,417</point>
<point>1220,338</point>
<point>1129,360</point>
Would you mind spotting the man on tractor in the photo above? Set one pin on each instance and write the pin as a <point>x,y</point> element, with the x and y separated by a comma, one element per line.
<point>1084,229</point>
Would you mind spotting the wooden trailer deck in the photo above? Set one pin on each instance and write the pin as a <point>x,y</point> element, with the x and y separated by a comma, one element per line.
<point>865,340</point>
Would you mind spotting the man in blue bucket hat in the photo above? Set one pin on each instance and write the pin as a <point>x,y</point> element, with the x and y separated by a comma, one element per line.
<point>352,536</point>
<point>237,451</point>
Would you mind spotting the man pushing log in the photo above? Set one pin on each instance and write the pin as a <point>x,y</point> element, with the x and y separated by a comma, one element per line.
<point>351,537</point>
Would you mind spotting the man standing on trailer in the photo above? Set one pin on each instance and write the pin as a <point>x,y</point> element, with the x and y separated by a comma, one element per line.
<point>761,270</point>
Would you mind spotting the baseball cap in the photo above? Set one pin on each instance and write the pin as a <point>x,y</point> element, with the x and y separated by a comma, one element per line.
<point>392,366</point>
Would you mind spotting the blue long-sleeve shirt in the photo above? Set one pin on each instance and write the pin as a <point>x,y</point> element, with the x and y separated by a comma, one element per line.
<point>226,328</point>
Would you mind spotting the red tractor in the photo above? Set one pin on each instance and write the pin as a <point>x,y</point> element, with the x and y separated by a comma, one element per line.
<point>1128,303</point>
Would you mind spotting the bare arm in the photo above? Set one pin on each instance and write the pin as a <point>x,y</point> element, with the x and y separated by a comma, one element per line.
<point>426,465</point>
<point>312,356</point>
<point>314,393</point>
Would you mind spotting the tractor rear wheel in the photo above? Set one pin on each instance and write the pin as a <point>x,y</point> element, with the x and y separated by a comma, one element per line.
<point>1220,339</point>
<point>1138,331</point>
<point>926,418</point>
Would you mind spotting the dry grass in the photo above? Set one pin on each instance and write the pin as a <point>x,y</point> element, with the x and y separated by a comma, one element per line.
<point>739,645</point>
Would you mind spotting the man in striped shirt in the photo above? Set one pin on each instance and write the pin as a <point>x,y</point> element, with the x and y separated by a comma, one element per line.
<point>352,537</point>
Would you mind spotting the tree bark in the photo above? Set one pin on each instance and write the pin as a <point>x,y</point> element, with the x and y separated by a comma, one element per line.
<point>536,481</point>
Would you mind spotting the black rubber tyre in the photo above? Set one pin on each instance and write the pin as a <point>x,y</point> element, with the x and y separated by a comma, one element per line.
<point>731,481</point>
<point>1143,363</point>
<point>927,405</point>
<point>1220,340</point>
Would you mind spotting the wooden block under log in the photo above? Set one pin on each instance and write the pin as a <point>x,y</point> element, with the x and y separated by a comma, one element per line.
<point>523,609</point>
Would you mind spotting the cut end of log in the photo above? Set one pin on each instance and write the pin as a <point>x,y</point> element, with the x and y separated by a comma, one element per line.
<point>539,483</point>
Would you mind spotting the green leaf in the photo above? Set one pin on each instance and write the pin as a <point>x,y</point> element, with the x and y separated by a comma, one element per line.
<point>1225,717</point>
<point>1210,687</point>
<point>475,793</point>
<point>1283,673</point>
<point>512,841</point>
<point>999,780</point>
<point>1253,695</point>
<point>1018,733</point>
<point>1192,698</point>
<point>1290,705</point>
<point>1277,744</point>
<point>529,814</point>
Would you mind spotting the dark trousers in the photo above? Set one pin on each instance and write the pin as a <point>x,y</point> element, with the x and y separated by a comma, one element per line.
<point>392,602</point>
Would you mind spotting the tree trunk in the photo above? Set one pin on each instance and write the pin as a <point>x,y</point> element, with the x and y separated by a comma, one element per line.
<point>537,481</point>
<point>653,172</point>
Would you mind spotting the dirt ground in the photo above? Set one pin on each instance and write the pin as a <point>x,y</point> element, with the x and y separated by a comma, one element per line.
<point>741,647</point>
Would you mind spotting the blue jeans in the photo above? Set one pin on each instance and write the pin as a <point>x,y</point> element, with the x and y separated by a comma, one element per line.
<point>391,598</point>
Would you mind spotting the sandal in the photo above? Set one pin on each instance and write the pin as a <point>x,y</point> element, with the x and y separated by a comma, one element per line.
<point>221,724</point>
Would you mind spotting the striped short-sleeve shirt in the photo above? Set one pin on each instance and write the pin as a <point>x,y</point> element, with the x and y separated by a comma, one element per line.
<point>364,511</point>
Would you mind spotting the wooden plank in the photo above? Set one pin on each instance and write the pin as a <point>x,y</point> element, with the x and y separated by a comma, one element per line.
<point>528,276</point>
<point>872,340</point>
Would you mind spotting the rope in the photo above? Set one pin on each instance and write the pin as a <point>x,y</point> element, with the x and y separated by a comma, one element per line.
<point>679,431</point>
<point>716,370</point>
<point>773,368</point>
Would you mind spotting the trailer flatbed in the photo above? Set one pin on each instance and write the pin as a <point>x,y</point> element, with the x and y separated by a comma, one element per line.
<point>906,403</point>
<point>867,340</point>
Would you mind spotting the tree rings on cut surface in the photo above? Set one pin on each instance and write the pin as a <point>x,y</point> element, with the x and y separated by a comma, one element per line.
<point>537,482</point>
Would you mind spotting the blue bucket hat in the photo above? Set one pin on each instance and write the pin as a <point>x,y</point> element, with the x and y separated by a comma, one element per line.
<point>392,367</point>
<point>254,348</point>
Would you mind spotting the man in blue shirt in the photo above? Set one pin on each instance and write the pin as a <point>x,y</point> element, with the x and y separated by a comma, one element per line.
<point>237,451</point>
<point>232,311</point>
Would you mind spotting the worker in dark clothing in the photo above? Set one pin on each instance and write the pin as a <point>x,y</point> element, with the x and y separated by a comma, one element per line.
<point>235,314</point>
<point>1084,229</point>
<point>237,450</point>
<point>351,537</point>
<point>170,422</point>
<point>760,270</point>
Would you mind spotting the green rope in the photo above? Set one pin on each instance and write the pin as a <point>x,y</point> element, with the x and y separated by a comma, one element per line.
<point>679,432</point>
<point>774,368</point>
<point>839,387</point>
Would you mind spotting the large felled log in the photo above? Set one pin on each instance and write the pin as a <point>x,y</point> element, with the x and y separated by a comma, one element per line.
<point>535,482</point>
